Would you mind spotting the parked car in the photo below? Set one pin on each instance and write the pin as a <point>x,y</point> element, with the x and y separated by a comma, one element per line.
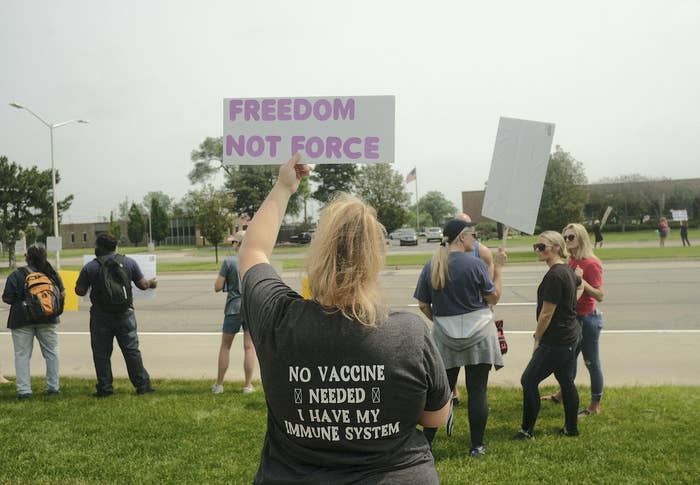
<point>301,238</point>
<point>408,238</point>
<point>397,233</point>
<point>433,234</point>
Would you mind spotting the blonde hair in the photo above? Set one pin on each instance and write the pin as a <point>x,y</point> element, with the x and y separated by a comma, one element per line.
<point>584,249</point>
<point>556,240</point>
<point>345,258</point>
<point>439,263</point>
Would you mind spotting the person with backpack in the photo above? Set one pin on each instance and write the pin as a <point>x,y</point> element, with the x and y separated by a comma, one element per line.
<point>109,277</point>
<point>35,294</point>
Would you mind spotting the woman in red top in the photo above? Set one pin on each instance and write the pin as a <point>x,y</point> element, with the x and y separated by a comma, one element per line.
<point>664,229</point>
<point>588,267</point>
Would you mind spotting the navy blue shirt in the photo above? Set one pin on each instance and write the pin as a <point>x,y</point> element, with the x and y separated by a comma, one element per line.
<point>90,274</point>
<point>14,295</point>
<point>468,282</point>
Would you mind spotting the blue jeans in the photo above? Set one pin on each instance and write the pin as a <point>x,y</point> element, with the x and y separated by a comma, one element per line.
<point>104,327</point>
<point>23,341</point>
<point>591,325</point>
<point>559,360</point>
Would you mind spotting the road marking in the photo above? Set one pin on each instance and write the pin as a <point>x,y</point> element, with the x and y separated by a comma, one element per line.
<point>529,332</point>
<point>526,303</point>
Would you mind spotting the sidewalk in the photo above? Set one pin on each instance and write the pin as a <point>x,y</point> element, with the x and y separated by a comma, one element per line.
<point>628,359</point>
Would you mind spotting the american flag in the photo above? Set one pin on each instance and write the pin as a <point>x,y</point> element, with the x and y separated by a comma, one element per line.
<point>411,176</point>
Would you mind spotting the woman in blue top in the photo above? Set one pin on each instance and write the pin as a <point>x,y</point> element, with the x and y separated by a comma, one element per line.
<point>454,291</point>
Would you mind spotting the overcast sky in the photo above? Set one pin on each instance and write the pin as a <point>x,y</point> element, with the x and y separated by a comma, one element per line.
<point>620,79</point>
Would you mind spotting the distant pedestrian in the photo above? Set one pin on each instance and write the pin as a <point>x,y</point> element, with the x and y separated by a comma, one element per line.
<point>229,281</point>
<point>24,329</point>
<point>598,234</point>
<point>684,233</point>
<point>664,230</point>
<point>109,277</point>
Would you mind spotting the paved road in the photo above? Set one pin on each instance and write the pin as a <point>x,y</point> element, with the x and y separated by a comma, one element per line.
<point>656,301</point>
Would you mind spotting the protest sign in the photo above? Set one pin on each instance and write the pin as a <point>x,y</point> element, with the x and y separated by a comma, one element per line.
<point>518,169</point>
<point>607,213</point>
<point>147,263</point>
<point>70,278</point>
<point>54,243</point>
<point>679,215</point>
<point>358,129</point>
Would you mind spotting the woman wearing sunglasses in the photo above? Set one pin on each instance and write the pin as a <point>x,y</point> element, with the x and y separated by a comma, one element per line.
<point>556,336</point>
<point>455,290</point>
<point>588,267</point>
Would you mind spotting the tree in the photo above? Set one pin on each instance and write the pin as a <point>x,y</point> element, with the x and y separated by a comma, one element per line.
<point>211,212</point>
<point>383,188</point>
<point>123,209</point>
<point>208,160</point>
<point>164,200</point>
<point>26,198</point>
<point>135,227</point>
<point>332,178</point>
<point>436,206</point>
<point>249,184</point>
<point>114,228</point>
<point>160,225</point>
<point>564,194</point>
<point>631,196</point>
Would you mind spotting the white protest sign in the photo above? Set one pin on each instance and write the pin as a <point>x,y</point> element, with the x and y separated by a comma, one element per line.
<point>54,243</point>
<point>357,129</point>
<point>518,169</point>
<point>147,263</point>
<point>607,213</point>
<point>679,215</point>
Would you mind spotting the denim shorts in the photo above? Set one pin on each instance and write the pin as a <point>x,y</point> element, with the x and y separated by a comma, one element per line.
<point>233,324</point>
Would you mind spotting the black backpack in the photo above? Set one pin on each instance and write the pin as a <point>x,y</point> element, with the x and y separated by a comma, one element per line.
<point>112,291</point>
<point>42,299</point>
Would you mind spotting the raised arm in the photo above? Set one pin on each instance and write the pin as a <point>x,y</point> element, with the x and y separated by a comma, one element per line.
<point>262,231</point>
<point>497,268</point>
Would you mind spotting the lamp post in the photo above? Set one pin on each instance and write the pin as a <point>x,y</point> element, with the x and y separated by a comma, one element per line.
<point>51,127</point>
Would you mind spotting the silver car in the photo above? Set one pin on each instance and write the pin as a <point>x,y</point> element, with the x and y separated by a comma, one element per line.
<point>433,234</point>
<point>408,237</point>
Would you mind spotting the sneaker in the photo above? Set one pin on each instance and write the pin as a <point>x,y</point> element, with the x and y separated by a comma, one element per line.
<point>478,451</point>
<point>523,435</point>
<point>450,421</point>
<point>101,394</point>
<point>22,397</point>
<point>52,392</point>
<point>145,390</point>
<point>217,388</point>
<point>565,432</point>
<point>248,389</point>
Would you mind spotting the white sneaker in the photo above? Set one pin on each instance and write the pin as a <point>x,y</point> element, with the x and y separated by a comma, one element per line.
<point>248,389</point>
<point>217,388</point>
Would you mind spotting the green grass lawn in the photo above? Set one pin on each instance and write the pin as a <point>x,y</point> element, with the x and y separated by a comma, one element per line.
<point>185,434</point>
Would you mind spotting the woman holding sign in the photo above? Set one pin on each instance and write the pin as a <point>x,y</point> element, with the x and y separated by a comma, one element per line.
<point>346,382</point>
<point>455,290</point>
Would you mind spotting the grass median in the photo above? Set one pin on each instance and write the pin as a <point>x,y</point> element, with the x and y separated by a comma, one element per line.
<point>185,434</point>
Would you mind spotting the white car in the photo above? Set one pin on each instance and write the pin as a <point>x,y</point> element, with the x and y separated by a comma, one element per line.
<point>433,234</point>
<point>408,238</point>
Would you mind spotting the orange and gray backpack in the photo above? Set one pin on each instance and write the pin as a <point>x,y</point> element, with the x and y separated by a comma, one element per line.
<point>42,297</point>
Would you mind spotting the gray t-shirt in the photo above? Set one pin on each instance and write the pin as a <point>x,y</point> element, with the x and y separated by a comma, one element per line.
<point>229,270</point>
<point>343,399</point>
<point>468,282</point>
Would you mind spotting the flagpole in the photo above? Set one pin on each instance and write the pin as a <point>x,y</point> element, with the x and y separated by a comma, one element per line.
<point>417,212</point>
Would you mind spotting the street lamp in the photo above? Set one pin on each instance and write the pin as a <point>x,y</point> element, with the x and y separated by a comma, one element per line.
<point>51,127</point>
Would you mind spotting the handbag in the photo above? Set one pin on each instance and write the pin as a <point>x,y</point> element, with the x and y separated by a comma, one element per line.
<point>501,337</point>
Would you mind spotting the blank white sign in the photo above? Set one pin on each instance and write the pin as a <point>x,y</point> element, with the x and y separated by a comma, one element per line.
<point>518,169</point>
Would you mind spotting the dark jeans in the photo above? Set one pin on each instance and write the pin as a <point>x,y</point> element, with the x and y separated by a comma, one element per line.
<point>545,361</point>
<point>104,327</point>
<point>477,377</point>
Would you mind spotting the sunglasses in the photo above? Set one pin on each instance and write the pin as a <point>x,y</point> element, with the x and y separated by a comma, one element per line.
<point>570,237</point>
<point>540,247</point>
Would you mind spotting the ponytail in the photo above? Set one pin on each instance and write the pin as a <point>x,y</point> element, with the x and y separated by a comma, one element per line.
<point>439,271</point>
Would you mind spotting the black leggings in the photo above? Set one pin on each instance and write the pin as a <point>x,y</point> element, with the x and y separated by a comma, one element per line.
<point>477,377</point>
